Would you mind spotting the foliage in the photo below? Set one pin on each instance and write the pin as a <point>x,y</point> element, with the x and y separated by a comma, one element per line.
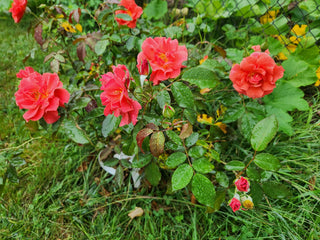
<point>188,126</point>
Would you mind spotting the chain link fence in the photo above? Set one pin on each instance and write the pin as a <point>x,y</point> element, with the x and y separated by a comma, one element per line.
<point>289,21</point>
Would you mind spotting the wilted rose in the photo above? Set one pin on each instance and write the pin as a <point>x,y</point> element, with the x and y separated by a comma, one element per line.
<point>242,184</point>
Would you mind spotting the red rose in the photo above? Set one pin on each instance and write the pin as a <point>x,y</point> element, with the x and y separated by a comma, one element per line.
<point>17,9</point>
<point>41,95</point>
<point>165,57</point>
<point>132,9</point>
<point>242,184</point>
<point>256,75</point>
<point>115,95</point>
<point>235,204</point>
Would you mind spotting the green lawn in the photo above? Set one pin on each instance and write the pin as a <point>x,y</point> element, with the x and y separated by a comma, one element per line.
<point>54,200</point>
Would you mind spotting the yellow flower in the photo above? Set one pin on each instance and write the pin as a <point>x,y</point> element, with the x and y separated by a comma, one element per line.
<point>68,27</point>
<point>203,118</point>
<point>248,204</point>
<point>281,56</point>
<point>78,27</point>
<point>269,16</point>
<point>59,16</point>
<point>294,40</point>
<point>222,109</point>
<point>317,84</point>
<point>291,47</point>
<point>318,72</point>
<point>222,126</point>
<point>299,31</point>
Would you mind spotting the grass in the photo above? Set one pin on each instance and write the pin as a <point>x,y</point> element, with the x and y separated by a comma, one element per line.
<point>54,200</point>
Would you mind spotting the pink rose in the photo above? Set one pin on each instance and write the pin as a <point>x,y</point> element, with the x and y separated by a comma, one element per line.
<point>115,95</point>
<point>242,184</point>
<point>256,75</point>
<point>235,204</point>
<point>165,58</point>
<point>17,9</point>
<point>41,95</point>
<point>132,9</point>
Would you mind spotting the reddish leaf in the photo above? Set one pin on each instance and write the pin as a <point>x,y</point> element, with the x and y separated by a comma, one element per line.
<point>70,15</point>
<point>152,126</point>
<point>82,38</point>
<point>142,134</point>
<point>38,34</point>
<point>76,15</point>
<point>81,51</point>
<point>220,50</point>
<point>157,144</point>
<point>186,131</point>
<point>60,11</point>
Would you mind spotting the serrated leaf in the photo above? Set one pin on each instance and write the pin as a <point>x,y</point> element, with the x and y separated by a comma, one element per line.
<point>183,95</point>
<point>163,98</point>
<point>155,9</point>
<point>131,42</point>
<point>202,77</point>
<point>152,174</point>
<point>284,119</point>
<point>234,166</point>
<point>196,152</point>
<point>80,103</point>
<point>157,143</point>
<point>124,17</point>
<point>202,165</point>
<point>263,133</point>
<point>141,160</point>
<point>276,190</point>
<point>175,159</point>
<point>181,177</point>
<point>203,190</point>
<point>101,46</point>
<point>192,139</point>
<point>174,137</point>
<point>222,179</point>
<point>59,58</point>
<point>109,124</point>
<point>247,123</point>
<point>142,134</point>
<point>267,162</point>
<point>119,176</point>
<point>74,132</point>
<point>191,115</point>
<point>55,65</point>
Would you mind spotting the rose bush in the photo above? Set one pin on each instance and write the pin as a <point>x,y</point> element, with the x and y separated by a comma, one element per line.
<point>132,10</point>
<point>256,75</point>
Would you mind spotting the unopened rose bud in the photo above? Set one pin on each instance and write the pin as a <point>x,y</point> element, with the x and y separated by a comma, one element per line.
<point>184,11</point>
<point>242,184</point>
<point>144,68</point>
<point>168,111</point>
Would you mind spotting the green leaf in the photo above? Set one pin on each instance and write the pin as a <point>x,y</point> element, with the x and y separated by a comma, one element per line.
<point>247,123</point>
<point>202,165</point>
<point>284,119</point>
<point>222,179</point>
<point>74,132</point>
<point>276,190</point>
<point>263,133</point>
<point>101,46</point>
<point>109,125</point>
<point>163,98</point>
<point>219,199</point>
<point>80,103</point>
<point>124,17</point>
<point>192,139</point>
<point>155,9</point>
<point>235,54</point>
<point>183,95</point>
<point>201,77</point>
<point>234,166</point>
<point>175,159</point>
<point>152,174</point>
<point>119,176</point>
<point>157,143</point>
<point>293,66</point>
<point>267,162</point>
<point>196,152</point>
<point>256,192</point>
<point>141,160</point>
<point>233,114</point>
<point>181,177</point>
<point>131,42</point>
<point>203,190</point>
<point>174,137</point>
<point>191,115</point>
<point>12,174</point>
